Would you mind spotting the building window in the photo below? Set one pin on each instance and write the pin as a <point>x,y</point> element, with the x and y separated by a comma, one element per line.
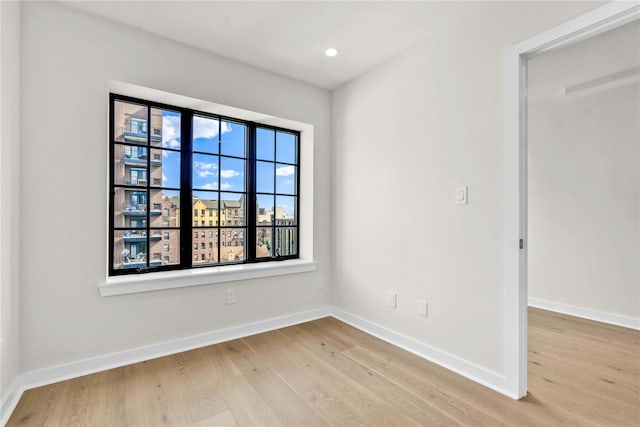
<point>244,178</point>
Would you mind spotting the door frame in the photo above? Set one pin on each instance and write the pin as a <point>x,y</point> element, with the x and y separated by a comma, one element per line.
<point>596,21</point>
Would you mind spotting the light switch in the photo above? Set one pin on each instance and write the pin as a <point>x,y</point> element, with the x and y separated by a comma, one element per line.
<point>461,195</point>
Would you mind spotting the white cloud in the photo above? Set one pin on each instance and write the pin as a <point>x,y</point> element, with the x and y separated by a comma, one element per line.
<point>285,170</point>
<point>288,182</point>
<point>210,186</point>
<point>205,169</point>
<point>164,178</point>
<point>214,186</point>
<point>171,131</point>
<point>204,127</point>
<point>204,165</point>
<point>229,173</point>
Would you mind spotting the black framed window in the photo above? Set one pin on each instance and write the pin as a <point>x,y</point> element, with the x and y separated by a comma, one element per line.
<point>192,189</point>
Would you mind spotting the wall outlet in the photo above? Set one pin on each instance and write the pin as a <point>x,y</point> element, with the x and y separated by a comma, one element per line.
<point>423,308</point>
<point>392,299</point>
<point>462,195</point>
<point>231,296</point>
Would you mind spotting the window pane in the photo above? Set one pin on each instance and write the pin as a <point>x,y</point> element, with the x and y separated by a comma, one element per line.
<point>264,177</point>
<point>129,249</point>
<point>285,210</point>
<point>265,139</point>
<point>205,172</point>
<point>232,174</point>
<point>165,168</point>
<point>264,208</point>
<point>232,209</point>
<point>285,241</point>
<point>233,248</point>
<point>205,202</point>
<point>130,207</point>
<point>130,123</point>
<point>263,242</point>
<point>286,147</point>
<point>164,208</point>
<point>165,128</point>
<point>205,134</point>
<point>285,179</point>
<point>205,248</point>
<point>166,250</point>
<point>233,139</point>
<point>130,165</point>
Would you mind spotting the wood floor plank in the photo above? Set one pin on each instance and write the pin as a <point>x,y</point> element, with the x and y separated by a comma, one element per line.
<point>325,372</point>
<point>403,402</point>
<point>222,419</point>
<point>285,403</point>
<point>201,395</point>
<point>446,402</point>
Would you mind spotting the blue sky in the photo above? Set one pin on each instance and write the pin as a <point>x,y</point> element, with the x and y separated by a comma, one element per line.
<point>207,167</point>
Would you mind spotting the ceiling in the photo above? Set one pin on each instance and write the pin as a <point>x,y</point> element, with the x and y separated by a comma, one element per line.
<point>289,38</point>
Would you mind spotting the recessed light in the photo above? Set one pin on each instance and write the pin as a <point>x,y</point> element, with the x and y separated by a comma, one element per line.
<point>331,52</point>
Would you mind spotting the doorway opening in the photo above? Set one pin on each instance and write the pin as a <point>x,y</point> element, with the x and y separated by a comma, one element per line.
<point>599,21</point>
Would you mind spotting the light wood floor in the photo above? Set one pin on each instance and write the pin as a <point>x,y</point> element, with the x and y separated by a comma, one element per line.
<point>581,373</point>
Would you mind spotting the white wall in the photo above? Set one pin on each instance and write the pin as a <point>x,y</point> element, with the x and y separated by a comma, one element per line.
<point>584,178</point>
<point>405,135</point>
<point>9,196</point>
<point>67,62</point>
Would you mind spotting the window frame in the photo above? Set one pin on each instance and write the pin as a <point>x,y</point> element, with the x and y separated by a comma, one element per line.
<point>186,227</point>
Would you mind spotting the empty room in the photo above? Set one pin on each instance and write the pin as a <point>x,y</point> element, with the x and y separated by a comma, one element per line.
<point>319,213</point>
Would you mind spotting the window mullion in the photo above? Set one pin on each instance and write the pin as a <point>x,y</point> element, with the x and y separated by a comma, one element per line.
<point>219,229</point>
<point>148,187</point>
<point>186,219</point>
<point>250,203</point>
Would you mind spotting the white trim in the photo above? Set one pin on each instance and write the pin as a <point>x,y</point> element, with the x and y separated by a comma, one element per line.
<point>586,313</point>
<point>40,377</point>
<point>129,284</point>
<point>598,20</point>
<point>14,392</point>
<point>487,378</point>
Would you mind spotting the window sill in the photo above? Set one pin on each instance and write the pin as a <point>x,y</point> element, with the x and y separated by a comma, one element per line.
<point>131,284</point>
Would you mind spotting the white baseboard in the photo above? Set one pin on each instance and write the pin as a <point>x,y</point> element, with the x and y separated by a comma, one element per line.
<point>40,377</point>
<point>585,313</point>
<point>10,401</point>
<point>487,378</point>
